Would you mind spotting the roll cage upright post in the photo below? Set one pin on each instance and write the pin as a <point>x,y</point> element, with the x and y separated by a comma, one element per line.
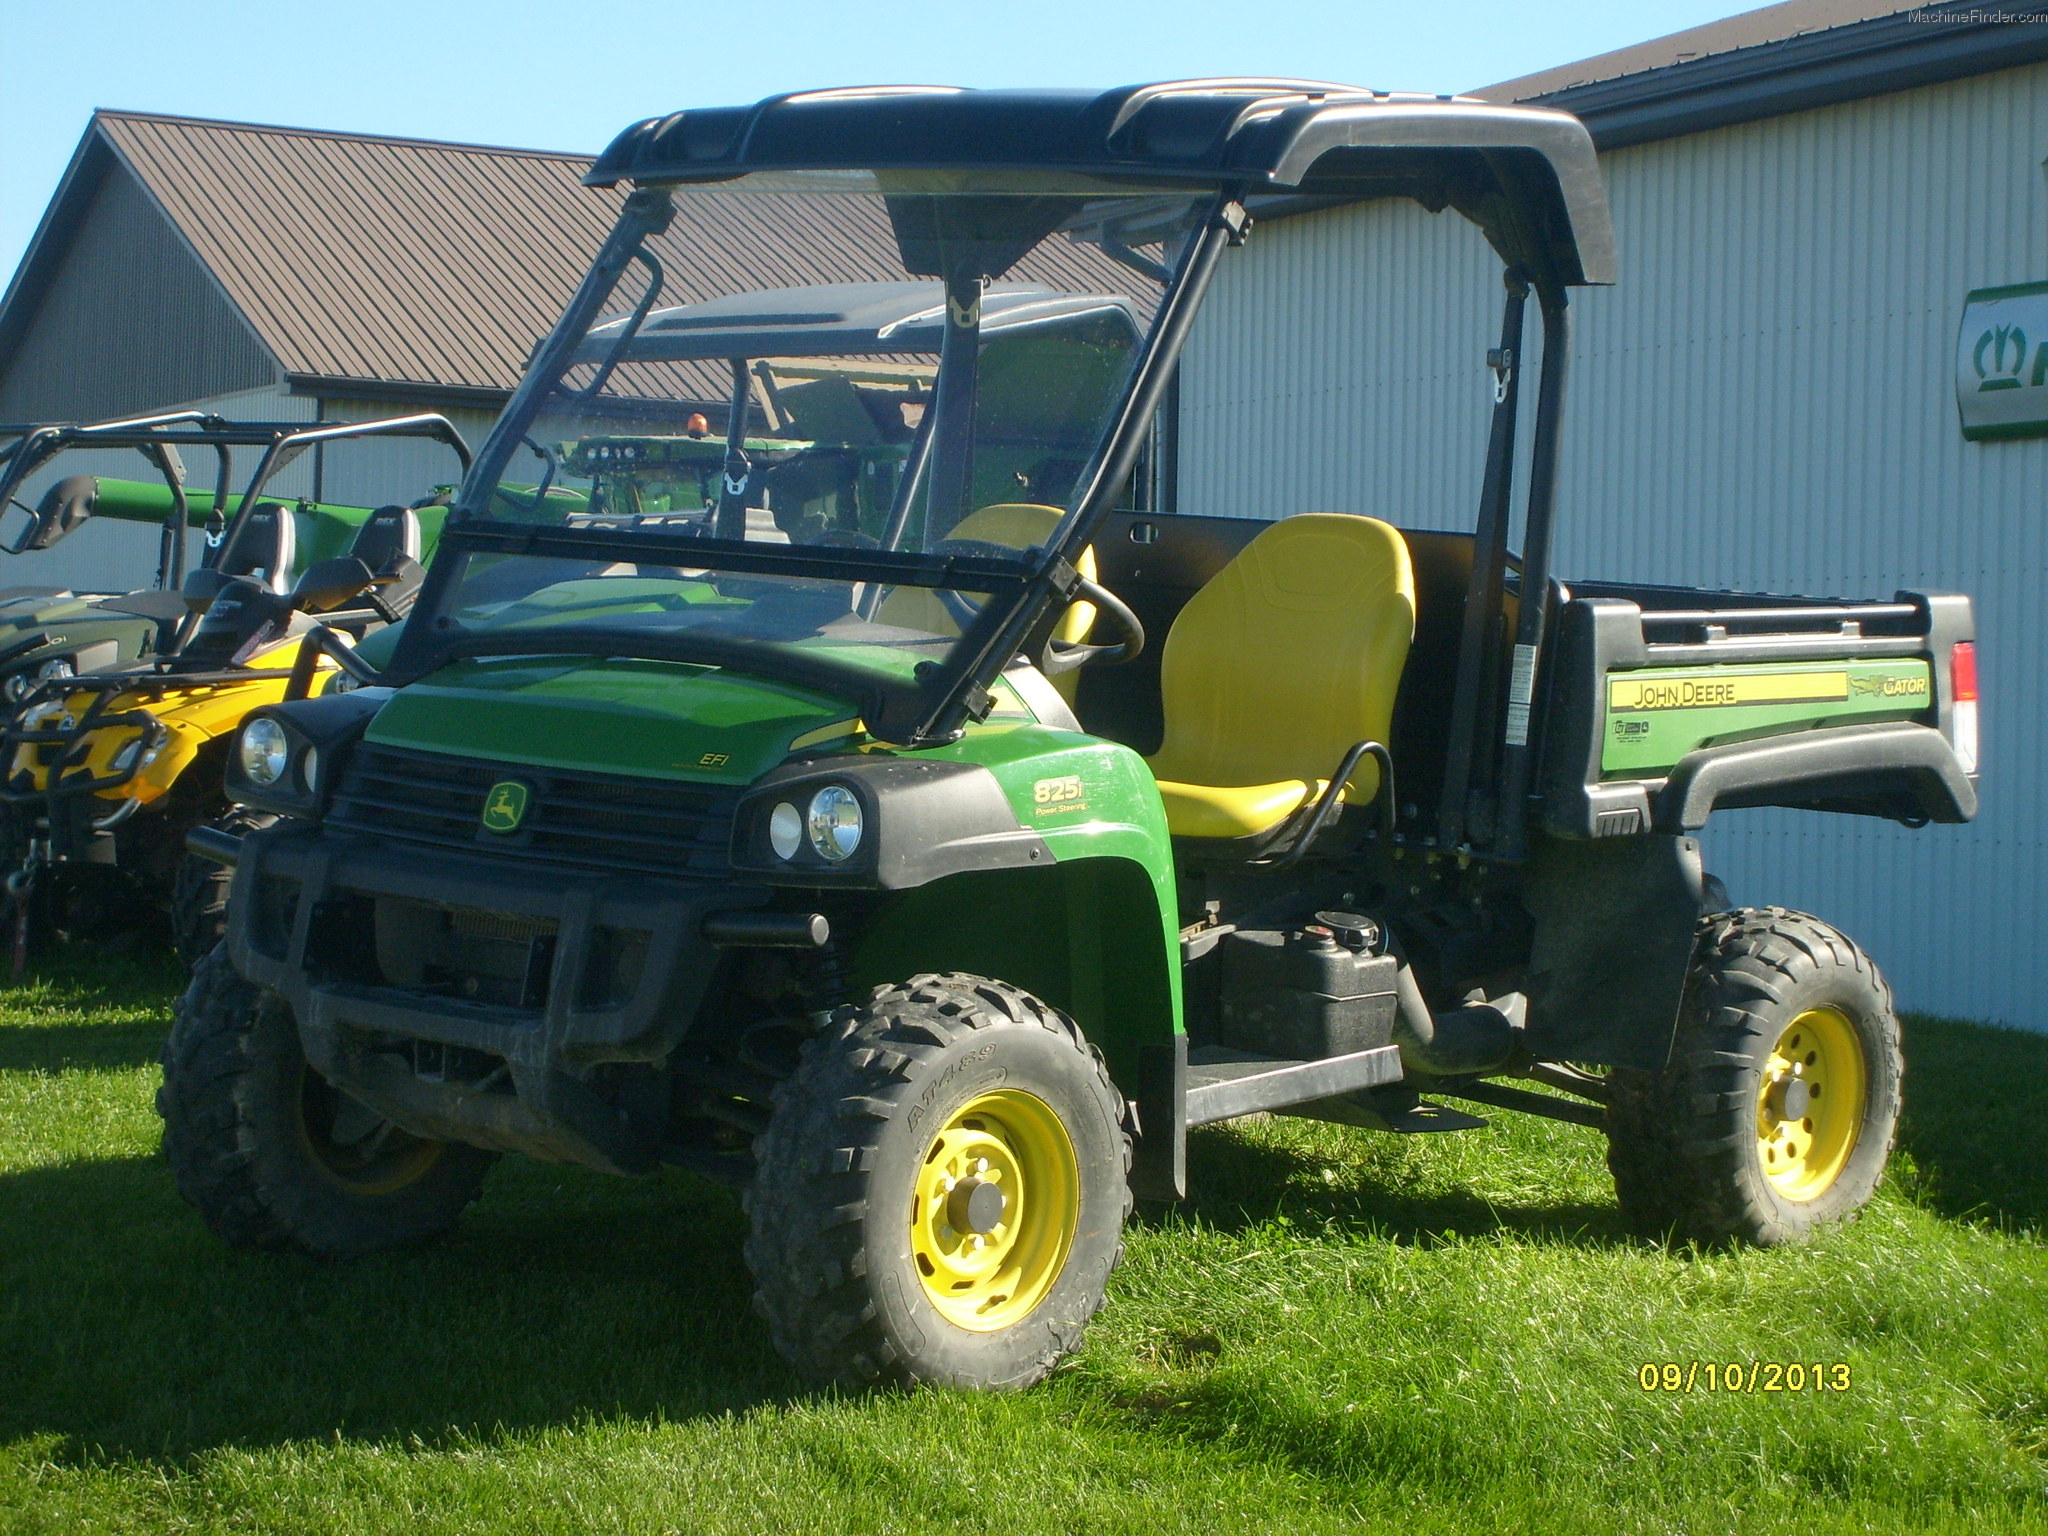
<point>1481,749</point>
<point>1000,634</point>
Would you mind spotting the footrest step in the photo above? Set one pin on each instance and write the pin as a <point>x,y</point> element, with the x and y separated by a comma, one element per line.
<point>1223,1084</point>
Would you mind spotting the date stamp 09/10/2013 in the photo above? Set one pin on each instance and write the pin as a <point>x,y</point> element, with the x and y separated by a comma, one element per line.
<point>1740,1376</point>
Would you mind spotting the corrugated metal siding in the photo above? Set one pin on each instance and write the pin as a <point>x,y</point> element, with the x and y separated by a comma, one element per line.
<point>129,321</point>
<point>372,472</point>
<point>1764,401</point>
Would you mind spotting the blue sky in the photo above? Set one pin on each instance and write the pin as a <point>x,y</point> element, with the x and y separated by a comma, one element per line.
<point>569,76</point>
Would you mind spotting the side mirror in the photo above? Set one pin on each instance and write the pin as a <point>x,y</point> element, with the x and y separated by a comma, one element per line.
<point>64,506</point>
<point>202,585</point>
<point>327,584</point>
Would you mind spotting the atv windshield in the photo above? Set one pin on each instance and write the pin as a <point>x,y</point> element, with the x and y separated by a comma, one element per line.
<point>850,466</point>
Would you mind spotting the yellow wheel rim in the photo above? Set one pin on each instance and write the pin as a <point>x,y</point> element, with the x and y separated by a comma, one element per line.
<point>998,1198</point>
<point>1810,1103</point>
<point>354,1148</point>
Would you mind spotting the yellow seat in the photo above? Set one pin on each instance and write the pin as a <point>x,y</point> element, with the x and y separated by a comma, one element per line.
<point>1287,659</point>
<point>1018,525</point>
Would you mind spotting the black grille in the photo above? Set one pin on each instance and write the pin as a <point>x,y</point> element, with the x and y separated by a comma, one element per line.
<point>602,821</point>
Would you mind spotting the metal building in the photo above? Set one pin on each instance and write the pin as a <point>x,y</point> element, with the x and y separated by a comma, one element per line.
<point>1804,198</point>
<point>282,274</point>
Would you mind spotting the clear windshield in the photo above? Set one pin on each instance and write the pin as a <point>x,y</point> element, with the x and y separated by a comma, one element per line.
<point>867,372</point>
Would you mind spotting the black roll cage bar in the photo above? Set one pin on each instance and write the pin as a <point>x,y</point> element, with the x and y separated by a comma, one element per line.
<point>159,436</point>
<point>1490,753</point>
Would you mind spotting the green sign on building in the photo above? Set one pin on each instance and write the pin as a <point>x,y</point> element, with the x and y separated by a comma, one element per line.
<point>2002,363</point>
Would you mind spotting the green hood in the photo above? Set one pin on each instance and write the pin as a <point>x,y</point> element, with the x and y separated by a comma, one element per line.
<point>666,719</point>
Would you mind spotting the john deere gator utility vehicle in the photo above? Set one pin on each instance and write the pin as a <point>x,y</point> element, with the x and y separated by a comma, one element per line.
<point>109,768</point>
<point>759,841</point>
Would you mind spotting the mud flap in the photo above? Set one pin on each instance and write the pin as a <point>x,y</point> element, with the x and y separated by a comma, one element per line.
<point>1615,919</point>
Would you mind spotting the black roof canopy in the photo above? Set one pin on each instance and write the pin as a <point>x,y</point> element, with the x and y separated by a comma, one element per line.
<point>1526,175</point>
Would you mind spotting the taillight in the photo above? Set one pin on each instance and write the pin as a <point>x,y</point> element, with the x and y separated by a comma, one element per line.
<point>1962,678</point>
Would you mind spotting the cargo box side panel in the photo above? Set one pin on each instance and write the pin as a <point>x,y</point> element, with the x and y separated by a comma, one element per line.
<point>1655,716</point>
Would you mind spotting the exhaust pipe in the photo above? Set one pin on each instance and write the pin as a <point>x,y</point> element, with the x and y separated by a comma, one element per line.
<point>1479,1037</point>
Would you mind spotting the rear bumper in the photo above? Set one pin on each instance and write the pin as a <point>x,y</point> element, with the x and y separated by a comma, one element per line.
<point>1900,769</point>
<point>333,923</point>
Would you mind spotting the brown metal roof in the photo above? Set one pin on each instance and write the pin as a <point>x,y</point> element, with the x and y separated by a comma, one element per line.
<point>1771,24</point>
<point>366,260</point>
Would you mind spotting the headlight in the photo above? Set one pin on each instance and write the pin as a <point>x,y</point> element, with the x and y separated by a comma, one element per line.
<point>16,685</point>
<point>785,830</point>
<point>61,667</point>
<point>266,751</point>
<point>834,823</point>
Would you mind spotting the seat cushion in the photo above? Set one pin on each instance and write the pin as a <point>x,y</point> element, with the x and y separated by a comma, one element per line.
<point>1290,656</point>
<point>1208,810</point>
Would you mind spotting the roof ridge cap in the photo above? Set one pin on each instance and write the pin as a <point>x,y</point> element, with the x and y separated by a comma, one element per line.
<point>122,114</point>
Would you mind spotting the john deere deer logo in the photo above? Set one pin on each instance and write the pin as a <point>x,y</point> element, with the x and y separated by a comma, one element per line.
<point>505,806</point>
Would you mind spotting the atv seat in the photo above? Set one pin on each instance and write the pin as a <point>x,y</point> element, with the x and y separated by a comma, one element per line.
<point>264,546</point>
<point>1289,657</point>
<point>388,535</point>
<point>1018,525</point>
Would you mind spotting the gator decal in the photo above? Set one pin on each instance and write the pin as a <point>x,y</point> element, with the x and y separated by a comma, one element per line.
<point>1655,691</point>
<point>1658,714</point>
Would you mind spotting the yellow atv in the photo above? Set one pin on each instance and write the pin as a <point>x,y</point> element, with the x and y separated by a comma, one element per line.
<point>109,771</point>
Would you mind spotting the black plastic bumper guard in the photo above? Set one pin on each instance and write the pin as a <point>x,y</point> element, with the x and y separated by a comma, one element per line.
<point>291,881</point>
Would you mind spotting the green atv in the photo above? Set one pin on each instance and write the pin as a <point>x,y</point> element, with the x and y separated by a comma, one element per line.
<point>832,829</point>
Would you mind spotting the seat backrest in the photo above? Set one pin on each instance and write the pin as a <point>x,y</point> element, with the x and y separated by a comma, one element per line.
<point>1289,656</point>
<point>264,546</point>
<point>1018,525</point>
<point>387,534</point>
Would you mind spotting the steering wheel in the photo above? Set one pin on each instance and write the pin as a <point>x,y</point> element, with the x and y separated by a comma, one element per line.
<point>1059,655</point>
<point>1065,655</point>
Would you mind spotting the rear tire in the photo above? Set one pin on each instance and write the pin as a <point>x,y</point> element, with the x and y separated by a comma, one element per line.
<point>272,1155</point>
<point>199,898</point>
<point>941,1192</point>
<point>1739,1137</point>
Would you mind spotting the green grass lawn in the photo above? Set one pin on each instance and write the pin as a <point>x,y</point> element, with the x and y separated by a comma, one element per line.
<point>1342,1332</point>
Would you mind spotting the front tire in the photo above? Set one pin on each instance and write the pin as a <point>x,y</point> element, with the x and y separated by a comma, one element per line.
<point>941,1192</point>
<point>199,896</point>
<point>1778,1110</point>
<point>272,1155</point>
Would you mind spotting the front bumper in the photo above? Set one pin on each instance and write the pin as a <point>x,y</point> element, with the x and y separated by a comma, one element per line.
<point>61,779</point>
<point>368,942</point>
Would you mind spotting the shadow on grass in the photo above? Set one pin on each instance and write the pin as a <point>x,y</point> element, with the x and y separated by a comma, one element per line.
<point>1976,1105</point>
<point>563,1297</point>
<point>126,1329</point>
<point>91,977</point>
<point>101,1047</point>
<point>1236,1183</point>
